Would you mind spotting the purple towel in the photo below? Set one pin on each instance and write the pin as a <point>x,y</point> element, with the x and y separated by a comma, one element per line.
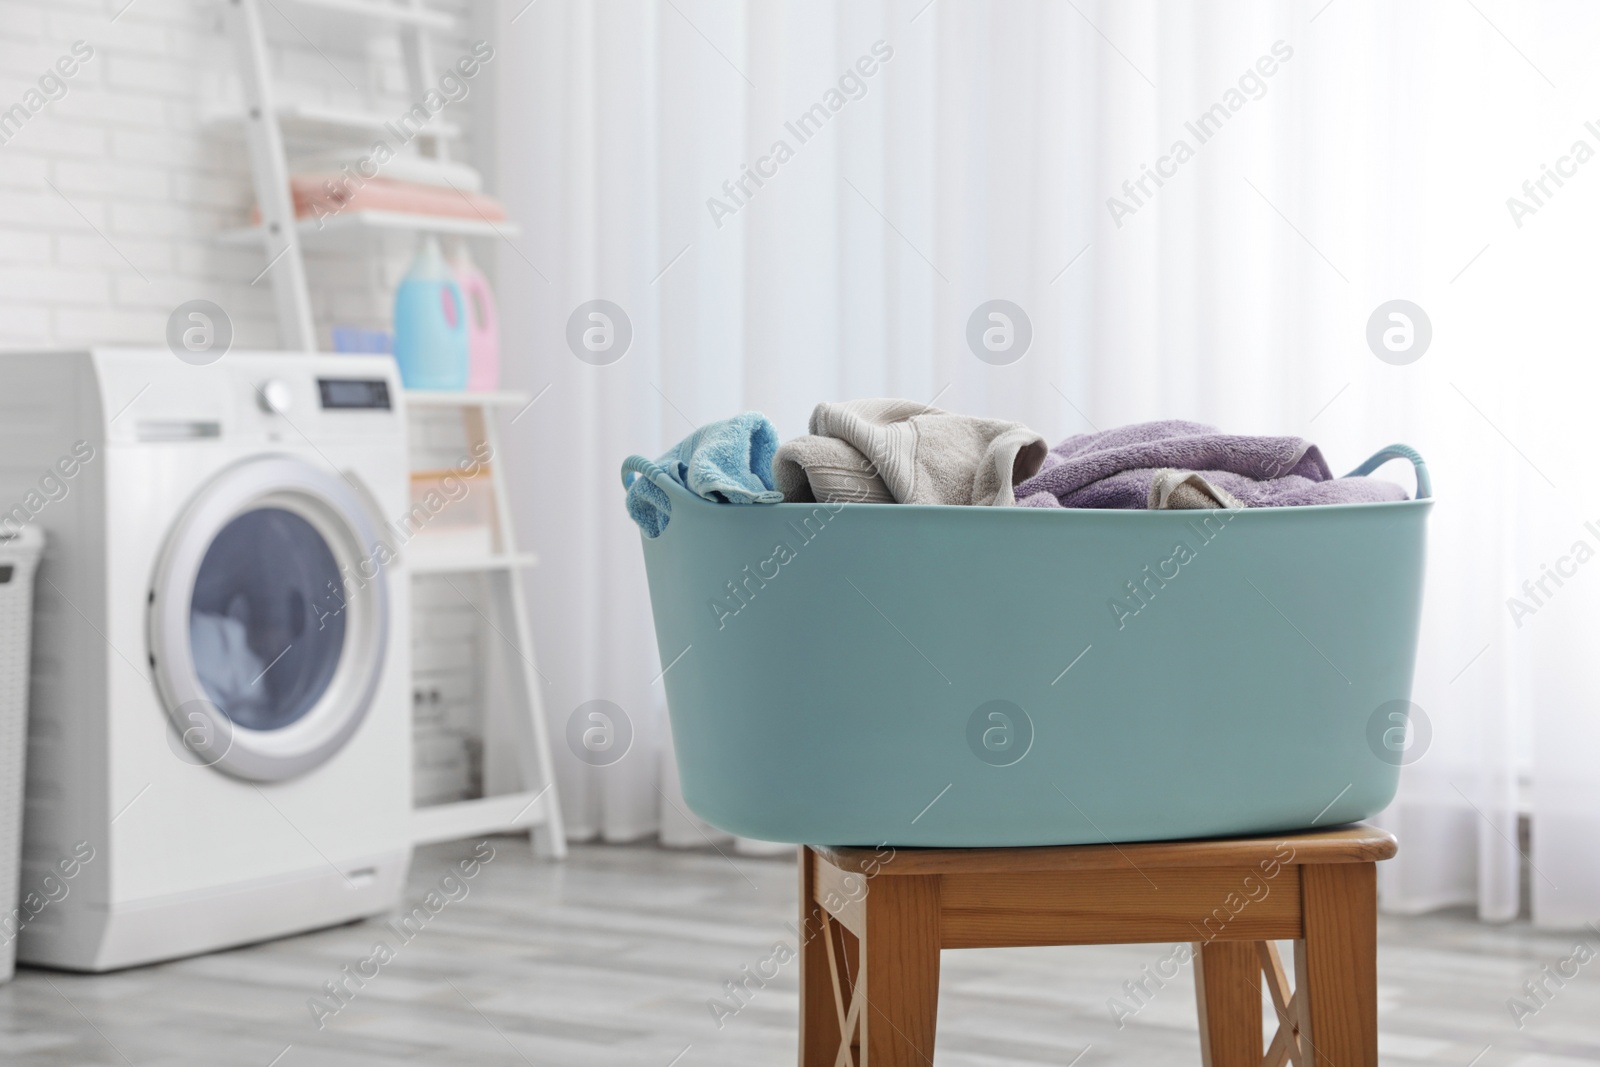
<point>1117,468</point>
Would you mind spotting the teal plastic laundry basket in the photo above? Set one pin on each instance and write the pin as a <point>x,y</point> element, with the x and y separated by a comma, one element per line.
<point>862,674</point>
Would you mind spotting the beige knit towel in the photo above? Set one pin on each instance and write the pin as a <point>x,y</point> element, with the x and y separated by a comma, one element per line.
<point>878,451</point>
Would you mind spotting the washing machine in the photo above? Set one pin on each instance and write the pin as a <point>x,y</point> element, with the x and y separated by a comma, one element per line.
<point>219,742</point>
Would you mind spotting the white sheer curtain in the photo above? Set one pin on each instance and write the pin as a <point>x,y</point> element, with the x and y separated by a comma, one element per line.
<point>1373,163</point>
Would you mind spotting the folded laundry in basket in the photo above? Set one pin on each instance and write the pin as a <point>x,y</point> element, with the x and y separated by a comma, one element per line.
<point>882,451</point>
<point>728,461</point>
<point>1173,464</point>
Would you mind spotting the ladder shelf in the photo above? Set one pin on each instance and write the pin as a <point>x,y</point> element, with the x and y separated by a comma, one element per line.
<point>534,804</point>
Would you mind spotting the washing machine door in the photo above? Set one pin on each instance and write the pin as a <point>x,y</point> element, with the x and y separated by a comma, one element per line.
<point>269,618</point>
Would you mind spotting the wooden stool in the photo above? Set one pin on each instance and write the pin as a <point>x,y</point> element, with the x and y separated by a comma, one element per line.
<point>872,922</point>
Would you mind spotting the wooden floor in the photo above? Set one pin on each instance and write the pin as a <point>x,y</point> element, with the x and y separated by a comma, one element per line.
<point>611,959</point>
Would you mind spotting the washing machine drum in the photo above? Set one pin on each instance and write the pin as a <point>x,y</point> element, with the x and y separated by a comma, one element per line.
<point>269,619</point>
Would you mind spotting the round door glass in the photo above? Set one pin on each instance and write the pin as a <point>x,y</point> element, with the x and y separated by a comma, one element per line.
<point>265,625</point>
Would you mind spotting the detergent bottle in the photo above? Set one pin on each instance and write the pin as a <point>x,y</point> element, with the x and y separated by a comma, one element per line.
<point>483,325</point>
<point>430,324</point>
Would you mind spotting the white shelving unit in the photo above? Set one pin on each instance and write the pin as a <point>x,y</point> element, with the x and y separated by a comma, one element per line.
<point>317,121</point>
<point>411,14</point>
<point>263,116</point>
<point>469,562</point>
<point>536,805</point>
<point>533,804</point>
<point>348,221</point>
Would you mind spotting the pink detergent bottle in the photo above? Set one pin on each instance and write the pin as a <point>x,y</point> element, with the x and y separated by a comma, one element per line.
<point>483,324</point>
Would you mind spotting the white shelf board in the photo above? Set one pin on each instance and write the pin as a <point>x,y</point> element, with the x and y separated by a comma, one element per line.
<point>446,562</point>
<point>486,815</point>
<point>369,221</point>
<point>448,398</point>
<point>383,10</point>
<point>302,120</point>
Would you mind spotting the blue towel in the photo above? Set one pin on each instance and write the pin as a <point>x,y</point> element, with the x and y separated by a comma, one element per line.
<point>729,462</point>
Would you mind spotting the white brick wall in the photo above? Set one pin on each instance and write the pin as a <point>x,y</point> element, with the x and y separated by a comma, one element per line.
<point>142,183</point>
<point>130,153</point>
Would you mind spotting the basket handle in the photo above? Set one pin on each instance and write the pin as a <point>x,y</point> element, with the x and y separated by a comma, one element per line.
<point>636,465</point>
<point>1384,455</point>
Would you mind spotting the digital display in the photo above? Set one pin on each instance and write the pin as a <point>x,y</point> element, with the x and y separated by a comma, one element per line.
<point>354,393</point>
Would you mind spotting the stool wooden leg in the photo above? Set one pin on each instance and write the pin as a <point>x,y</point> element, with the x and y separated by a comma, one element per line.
<point>1336,967</point>
<point>900,966</point>
<point>1227,988</point>
<point>819,1020</point>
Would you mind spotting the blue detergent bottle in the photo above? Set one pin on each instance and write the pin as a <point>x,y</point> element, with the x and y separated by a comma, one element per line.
<point>430,327</point>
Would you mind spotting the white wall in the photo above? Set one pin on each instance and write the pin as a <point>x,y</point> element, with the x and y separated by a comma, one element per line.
<point>111,197</point>
<point>130,155</point>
